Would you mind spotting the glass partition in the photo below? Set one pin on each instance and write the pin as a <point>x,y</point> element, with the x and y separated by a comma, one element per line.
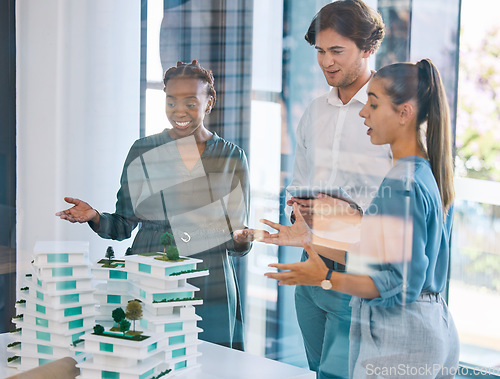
<point>474,291</point>
<point>266,74</point>
<point>283,78</point>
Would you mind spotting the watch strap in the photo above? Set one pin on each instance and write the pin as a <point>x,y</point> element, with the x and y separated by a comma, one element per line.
<point>329,274</point>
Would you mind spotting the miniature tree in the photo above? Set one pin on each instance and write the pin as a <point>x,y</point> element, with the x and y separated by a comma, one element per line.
<point>134,311</point>
<point>170,250</point>
<point>129,251</point>
<point>173,253</point>
<point>118,314</point>
<point>124,326</point>
<point>110,254</point>
<point>98,329</point>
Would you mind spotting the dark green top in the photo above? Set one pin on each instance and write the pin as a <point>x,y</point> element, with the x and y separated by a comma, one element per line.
<point>156,186</point>
<point>201,207</point>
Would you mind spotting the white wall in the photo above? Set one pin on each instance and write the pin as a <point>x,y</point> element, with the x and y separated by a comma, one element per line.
<point>78,70</point>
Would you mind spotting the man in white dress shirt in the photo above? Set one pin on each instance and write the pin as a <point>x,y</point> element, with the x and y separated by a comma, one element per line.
<point>333,150</point>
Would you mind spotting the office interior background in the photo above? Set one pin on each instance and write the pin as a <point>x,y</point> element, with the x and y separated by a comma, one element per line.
<point>81,80</point>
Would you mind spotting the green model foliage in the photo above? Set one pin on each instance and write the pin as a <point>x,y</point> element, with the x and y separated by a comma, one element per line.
<point>167,239</point>
<point>172,253</point>
<point>124,326</point>
<point>98,329</point>
<point>163,373</point>
<point>110,254</point>
<point>177,299</point>
<point>118,314</point>
<point>188,271</point>
<point>169,248</point>
<point>134,311</point>
<point>76,342</point>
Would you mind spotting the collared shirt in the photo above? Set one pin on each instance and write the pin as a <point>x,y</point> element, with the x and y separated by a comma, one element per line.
<point>333,149</point>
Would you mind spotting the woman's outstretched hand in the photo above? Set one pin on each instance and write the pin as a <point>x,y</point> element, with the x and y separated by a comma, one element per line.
<point>80,212</point>
<point>309,273</point>
<point>243,235</point>
<point>294,235</point>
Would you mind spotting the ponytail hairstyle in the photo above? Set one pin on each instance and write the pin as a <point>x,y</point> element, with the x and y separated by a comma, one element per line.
<point>191,70</point>
<point>422,83</point>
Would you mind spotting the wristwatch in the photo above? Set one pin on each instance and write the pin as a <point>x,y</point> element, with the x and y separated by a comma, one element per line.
<point>326,284</point>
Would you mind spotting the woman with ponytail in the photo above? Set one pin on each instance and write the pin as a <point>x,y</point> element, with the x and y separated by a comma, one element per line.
<point>400,324</point>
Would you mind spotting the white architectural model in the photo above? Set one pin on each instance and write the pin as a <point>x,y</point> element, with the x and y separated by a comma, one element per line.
<point>56,306</point>
<point>57,317</point>
<point>169,337</point>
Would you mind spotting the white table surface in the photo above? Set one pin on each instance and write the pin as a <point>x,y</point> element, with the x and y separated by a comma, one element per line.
<point>216,362</point>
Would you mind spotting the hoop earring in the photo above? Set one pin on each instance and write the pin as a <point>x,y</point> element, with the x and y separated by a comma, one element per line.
<point>208,111</point>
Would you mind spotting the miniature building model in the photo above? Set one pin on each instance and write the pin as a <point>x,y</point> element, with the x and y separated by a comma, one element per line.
<point>57,316</point>
<point>166,337</point>
<point>56,307</point>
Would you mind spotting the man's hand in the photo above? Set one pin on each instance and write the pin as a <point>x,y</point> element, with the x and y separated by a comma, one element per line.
<point>325,207</point>
<point>305,207</point>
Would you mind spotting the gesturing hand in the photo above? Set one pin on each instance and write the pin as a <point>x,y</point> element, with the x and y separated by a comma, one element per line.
<point>81,212</point>
<point>309,273</point>
<point>243,235</point>
<point>306,207</point>
<point>294,235</point>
